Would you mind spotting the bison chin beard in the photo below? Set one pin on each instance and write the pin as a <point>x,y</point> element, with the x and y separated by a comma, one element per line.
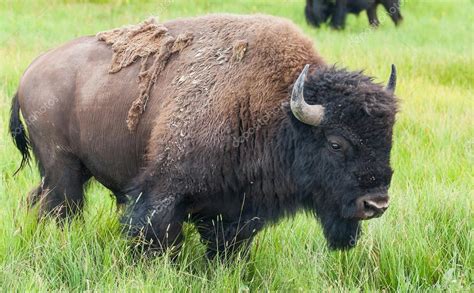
<point>340,233</point>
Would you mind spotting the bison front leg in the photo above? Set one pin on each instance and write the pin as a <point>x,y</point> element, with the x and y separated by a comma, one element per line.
<point>338,20</point>
<point>226,238</point>
<point>393,9</point>
<point>372,15</point>
<point>155,222</point>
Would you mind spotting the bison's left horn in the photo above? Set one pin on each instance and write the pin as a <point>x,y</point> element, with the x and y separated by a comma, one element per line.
<point>392,82</point>
<point>308,114</point>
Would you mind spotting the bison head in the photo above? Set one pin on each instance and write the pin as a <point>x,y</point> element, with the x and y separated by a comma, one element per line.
<point>343,125</point>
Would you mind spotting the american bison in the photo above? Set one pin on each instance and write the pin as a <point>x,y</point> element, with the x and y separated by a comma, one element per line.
<point>230,122</point>
<point>318,12</point>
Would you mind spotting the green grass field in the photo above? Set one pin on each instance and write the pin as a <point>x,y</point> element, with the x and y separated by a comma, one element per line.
<point>424,242</point>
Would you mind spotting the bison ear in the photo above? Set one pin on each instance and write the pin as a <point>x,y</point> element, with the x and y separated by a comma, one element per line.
<point>308,114</point>
<point>392,82</point>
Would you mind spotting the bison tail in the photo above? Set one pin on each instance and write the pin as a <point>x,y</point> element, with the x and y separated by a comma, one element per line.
<point>18,133</point>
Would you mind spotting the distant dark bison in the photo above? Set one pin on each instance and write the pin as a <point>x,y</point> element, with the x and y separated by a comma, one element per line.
<point>244,124</point>
<point>321,11</point>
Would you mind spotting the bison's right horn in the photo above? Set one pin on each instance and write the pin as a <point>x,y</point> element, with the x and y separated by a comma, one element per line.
<point>308,114</point>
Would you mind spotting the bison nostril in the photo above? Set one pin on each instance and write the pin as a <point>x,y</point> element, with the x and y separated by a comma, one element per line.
<point>376,206</point>
<point>371,206</point>
<point>366,205</point>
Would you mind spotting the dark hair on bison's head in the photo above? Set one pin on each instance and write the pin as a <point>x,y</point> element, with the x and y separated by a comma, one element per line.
<point>343,163</point>
<point>344,92</point>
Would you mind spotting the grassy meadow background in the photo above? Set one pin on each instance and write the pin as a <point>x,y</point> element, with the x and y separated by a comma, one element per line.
<point>424,241</point>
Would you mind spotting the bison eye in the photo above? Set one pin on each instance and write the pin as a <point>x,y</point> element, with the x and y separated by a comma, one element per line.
<point>335,146</point>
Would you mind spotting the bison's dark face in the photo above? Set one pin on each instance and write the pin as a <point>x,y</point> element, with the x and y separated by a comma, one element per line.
<point>342,156</point>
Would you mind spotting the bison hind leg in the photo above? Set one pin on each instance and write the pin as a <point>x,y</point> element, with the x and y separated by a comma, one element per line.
<point>34,196</point>
<point>61,192</point>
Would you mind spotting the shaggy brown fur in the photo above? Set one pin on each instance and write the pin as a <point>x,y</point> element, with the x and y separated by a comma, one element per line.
<point>142,41</point>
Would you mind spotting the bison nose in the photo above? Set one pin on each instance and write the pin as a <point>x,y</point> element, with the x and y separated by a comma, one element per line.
<point>371,206</point>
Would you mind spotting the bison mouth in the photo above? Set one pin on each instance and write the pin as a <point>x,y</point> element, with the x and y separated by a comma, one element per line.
<point>341,225</point>
<point>343,230</point>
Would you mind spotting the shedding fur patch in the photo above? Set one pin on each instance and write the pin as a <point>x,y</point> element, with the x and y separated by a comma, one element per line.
<point>238,50</point>
<point>145,40</point>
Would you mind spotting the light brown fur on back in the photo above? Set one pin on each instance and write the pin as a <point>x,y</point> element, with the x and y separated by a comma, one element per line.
<point>237,69</point>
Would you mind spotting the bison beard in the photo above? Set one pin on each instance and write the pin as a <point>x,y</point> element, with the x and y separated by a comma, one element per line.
<point>238,131</point>
<point>340,233</point>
